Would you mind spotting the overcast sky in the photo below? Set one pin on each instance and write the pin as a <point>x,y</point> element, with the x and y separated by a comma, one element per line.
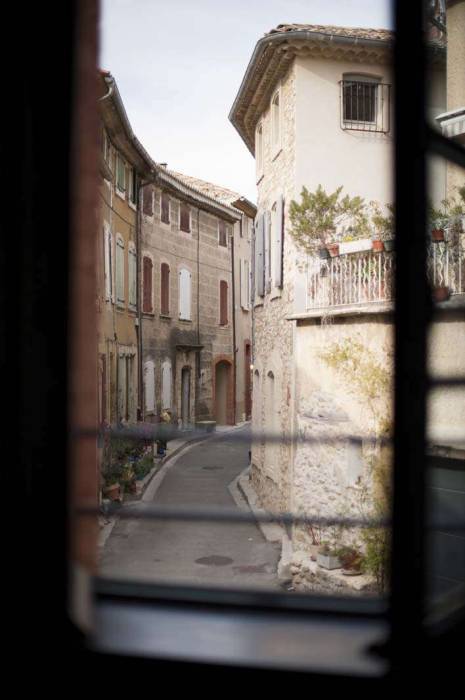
<point>179,63</point>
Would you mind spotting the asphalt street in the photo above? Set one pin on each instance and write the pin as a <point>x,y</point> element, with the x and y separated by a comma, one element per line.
<point>216,554</point>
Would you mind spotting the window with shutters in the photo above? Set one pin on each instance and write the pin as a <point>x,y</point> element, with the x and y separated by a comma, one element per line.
<point>365,103</point>
<point>165,289</point>
<point>106,148</point>
<point>120,175</point>
<point>132,186</point>
<point>148,200</point>
<point>166,383</point>
<point>149,386</point>
<point>165,208</point>
<point>222,233</point>
<point>108,257</point>
<point>147,274</point>
<point>259,257</point>
<point>185,279</point>
<point>223,303</point>
<point>120,296</point>
<point>185,217</point>
<point>132,275</point>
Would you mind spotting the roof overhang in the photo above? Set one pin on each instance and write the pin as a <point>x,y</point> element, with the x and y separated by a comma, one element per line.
<point>195,197</point>
<point>275,52</point>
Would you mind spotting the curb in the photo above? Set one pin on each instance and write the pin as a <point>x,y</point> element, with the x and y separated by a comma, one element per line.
<point>272,532</point>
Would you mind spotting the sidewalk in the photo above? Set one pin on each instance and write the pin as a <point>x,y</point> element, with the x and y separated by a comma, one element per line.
<point>174,447</point>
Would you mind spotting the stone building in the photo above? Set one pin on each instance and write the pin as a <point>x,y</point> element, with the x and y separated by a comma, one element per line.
<point>195,238</point>
<point>123,164</point>
<point>315,108</point>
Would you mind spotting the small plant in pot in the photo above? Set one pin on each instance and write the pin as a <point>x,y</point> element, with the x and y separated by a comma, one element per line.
<point>351,561</point>
<point>328,557</point>
<point>383,237</point>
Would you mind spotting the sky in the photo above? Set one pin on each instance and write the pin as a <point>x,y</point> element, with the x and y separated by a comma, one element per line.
<point>179,64</point>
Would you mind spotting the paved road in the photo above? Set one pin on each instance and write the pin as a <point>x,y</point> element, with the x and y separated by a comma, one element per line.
<point>232,554</point>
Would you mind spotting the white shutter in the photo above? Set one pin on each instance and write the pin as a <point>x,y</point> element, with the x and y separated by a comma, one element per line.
<point>132,277</point>
<point>121,386</point>
<point>185,278</point>
<point>166,384</point>
<point>119,270</point>
<point>278,250</point>
<point>259,253</point>
<point>267,261</point>
<point>149,385</point>
<point>244,282</point>
<point>107,260</point>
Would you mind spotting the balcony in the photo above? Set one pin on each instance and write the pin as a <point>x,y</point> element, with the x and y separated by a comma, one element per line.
<point>364,279</point>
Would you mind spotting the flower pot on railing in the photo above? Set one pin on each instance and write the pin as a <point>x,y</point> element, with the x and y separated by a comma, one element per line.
<point>333,249</point>
<point>389,245</point>
<point>437,234</point>
<point>441,294</point>
<point>113,492</point>
<point>323,253</point>
<point>378,246</point>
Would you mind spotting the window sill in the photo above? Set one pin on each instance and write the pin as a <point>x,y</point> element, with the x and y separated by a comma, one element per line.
<point>165,224</point>
<point>166,317</point>
<point>120,193</point>
<point>185,320</point>
<point>121,306</point>
<point>204,626</point>
<point>132,205</point>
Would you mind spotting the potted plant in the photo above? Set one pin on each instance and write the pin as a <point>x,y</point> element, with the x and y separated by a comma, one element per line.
<point>113,491</point>
<point>441,294</point>
<point>327,557</point>
<point>351,561</point>
<point>382,227</point>
<point>333,249</point>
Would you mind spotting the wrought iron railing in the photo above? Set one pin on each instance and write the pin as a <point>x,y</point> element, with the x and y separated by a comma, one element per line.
<point>367,277</point>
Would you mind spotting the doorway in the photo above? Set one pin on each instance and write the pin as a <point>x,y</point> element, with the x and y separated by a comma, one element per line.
<point>185,397</point>
<point>223,393</point>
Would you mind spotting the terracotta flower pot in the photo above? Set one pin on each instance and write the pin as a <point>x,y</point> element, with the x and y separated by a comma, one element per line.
<point>378,246</point>
<point>441,293</point>
<point>113,492</point>
<point>437,234</point>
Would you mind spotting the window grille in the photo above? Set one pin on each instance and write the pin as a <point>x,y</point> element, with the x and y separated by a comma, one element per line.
<point>365,105</point>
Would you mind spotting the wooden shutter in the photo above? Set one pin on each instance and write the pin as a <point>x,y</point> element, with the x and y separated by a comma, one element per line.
<point>259,256</point>
<point>147,284</point>
<point>165,289</point>
<point>148,201</point>
<point>185,294</point>
<point>223,303</point>
<point>244,283</point>
<point>185,218</point>
<point>165,208</point>
<point>166,384</point>
<point>119,270</point>
<point>132,277</point>
<point>279,243</point>
<point>107,261</point>
<point>222,239</point>
<point>149,385</point>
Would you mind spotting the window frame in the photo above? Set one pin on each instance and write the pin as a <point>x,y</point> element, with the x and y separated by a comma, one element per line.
<point>221,223</point>
<point>165,195</point>
<point>120,167</point>
<point>189,210</point>
<point>259,152</point>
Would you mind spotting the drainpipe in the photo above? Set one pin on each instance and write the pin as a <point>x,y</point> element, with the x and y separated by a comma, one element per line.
<point>234,322</point>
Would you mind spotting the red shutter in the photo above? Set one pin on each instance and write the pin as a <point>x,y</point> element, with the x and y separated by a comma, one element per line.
<point>223,303</point>
<point>165,208</point>
<point>147,284</point>
<point>148,201</point>
<point>165,289</point>
<point>185,218</point>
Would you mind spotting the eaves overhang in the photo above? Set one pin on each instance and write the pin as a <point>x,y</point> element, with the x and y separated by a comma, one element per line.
<point>275,52</point>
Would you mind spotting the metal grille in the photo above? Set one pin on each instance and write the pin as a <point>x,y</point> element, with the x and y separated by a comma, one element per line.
<point>365,106</point>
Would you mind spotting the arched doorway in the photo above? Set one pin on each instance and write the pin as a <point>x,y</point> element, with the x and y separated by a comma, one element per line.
<point>223,393</point>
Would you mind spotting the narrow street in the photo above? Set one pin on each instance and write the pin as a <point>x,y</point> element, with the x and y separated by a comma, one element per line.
<point>232,554</point>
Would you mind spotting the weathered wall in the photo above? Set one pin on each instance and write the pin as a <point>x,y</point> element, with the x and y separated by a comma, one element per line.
<point>242,251</point>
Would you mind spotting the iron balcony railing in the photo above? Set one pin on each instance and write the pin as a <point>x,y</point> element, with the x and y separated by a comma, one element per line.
<point>366,277</point>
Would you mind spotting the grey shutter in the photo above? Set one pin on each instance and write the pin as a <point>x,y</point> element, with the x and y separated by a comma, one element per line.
<point>259,256</point>
<point>278,262</point>
<point>268,248</point>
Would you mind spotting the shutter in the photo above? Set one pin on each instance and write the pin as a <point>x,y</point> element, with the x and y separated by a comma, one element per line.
<point>247,284</point>
<point>110,266</point>
<point>185,218</point>
<point>165,289</point>
<point>279,248</point>
<point>165,208</point>
<point>121,387</point>
<point>132,277</point>
<point>147,286</point>
<point>185,294</point>
<point>244,283</point>
<point>119,270</point>
<point>107,260</point>
<point>267,256</point>
<point>259,253</point>
<point>148,201</point>
<point>166,384</point>
<point>223,303</point>
<point>149,385</point>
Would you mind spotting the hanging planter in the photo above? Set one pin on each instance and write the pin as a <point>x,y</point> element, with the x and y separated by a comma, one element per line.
<point>333,249</point>
<point>441,294</point>
<point>378,246</point>
<point>437,234</point>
